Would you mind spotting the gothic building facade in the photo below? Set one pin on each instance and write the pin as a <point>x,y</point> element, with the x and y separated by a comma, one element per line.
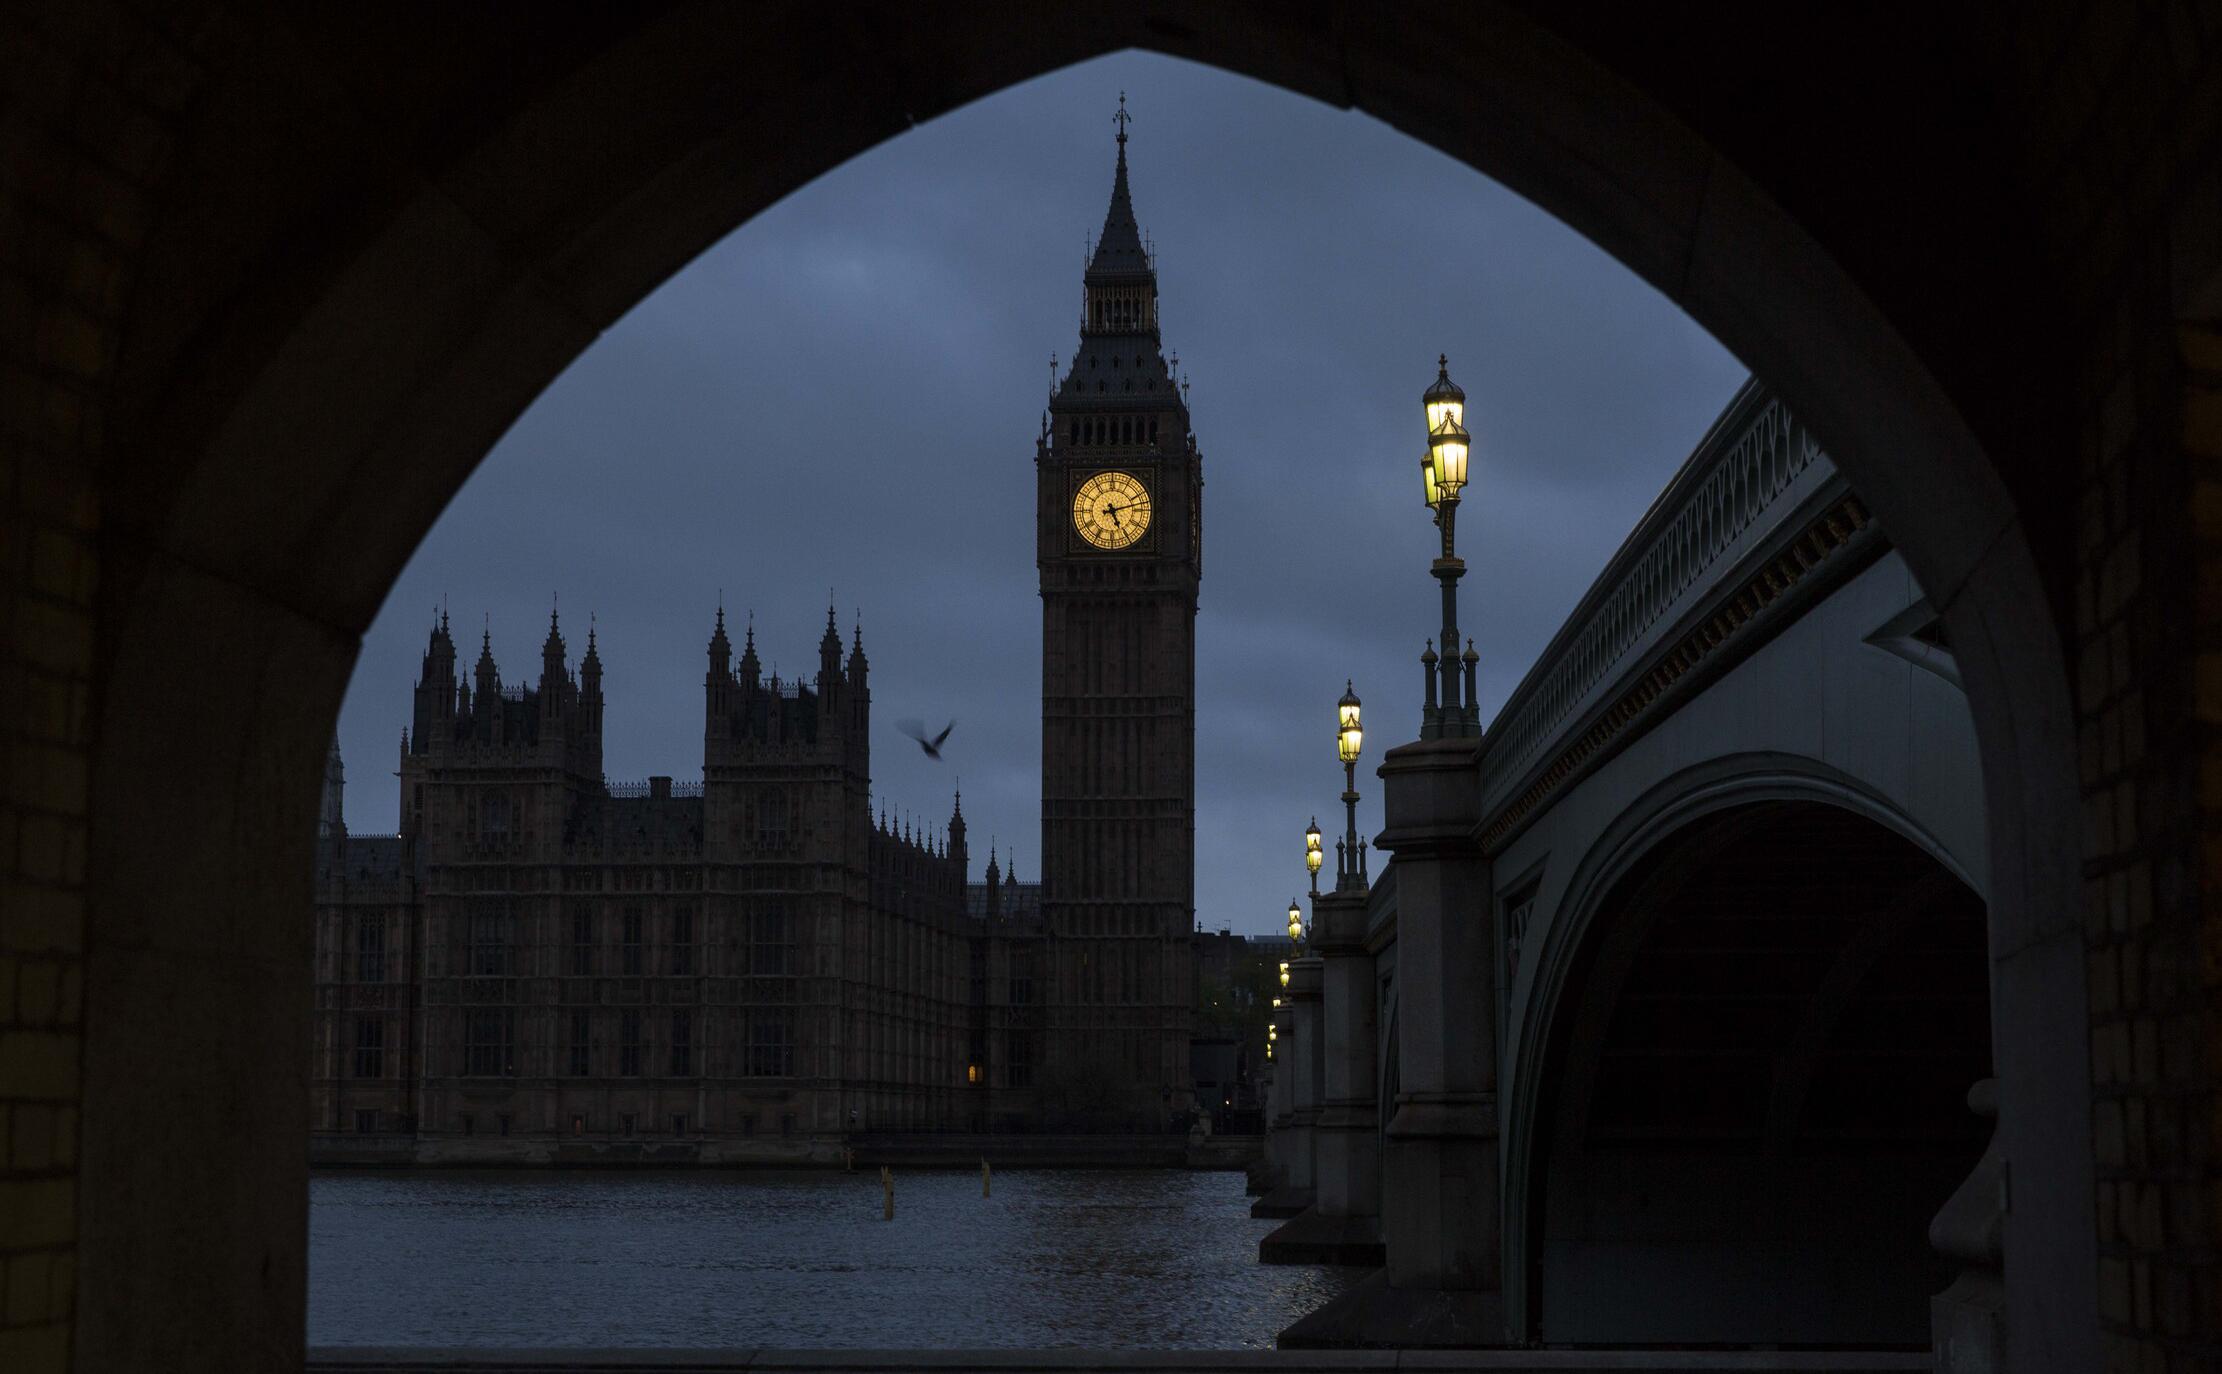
<point>541,964</point>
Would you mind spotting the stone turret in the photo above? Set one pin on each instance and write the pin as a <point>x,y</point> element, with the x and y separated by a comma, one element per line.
<point>752,669</point>
<point>718,688</point>
<point>829,663</point>
<point>436,694</point>
<point>331,817</point>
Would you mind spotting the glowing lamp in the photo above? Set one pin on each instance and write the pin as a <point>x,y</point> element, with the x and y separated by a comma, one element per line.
<point>972,1073</point>
<point>1284,973</point>
<point>1349,737</point>
<point>1295,921</point>
<point>1444,401</point>
<point>1448,444</point>
<point>1313,854</point>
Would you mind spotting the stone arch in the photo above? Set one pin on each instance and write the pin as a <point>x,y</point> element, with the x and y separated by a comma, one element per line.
<point>1674,806</point>
<point>1733,1022</point>
<point>350,283</point>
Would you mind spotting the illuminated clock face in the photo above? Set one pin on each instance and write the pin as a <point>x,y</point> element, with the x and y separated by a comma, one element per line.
<point>1111,510</point>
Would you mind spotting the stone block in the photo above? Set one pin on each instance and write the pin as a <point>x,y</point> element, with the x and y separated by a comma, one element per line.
<point>61,1287</point>
<point>2108,1135</point>
<point>2202,423</point>
<point>41,1212</point>
<point>2114,1295</point>
<point>27,1287</point>
<point>38,1064</point>
<point>41,919</point>
<point>38,991</point>
<point>31,1137</point>
<point>2105,981</point>
<point>1967,1323</point>
<point>35,1349</point>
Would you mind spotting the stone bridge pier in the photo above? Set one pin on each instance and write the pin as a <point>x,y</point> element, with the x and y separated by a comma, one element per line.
<point>1296,1088</point>
<point>1343,1225</point>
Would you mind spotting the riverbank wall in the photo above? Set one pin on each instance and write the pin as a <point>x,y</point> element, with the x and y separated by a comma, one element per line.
<point>929,1151</point>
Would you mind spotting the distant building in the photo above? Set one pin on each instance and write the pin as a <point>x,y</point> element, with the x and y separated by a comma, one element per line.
<point>541,962</point>
<point>1235,978</point>
<point>541,956</point>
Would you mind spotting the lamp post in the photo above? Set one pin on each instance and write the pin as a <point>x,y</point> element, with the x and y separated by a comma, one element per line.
<point>1350,856</point>
<point>1295,924</point>
<point>1313,856</point>
<point>1443,475</point>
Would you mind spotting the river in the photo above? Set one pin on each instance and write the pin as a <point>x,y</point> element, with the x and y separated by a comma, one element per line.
<point>1055,1257</point>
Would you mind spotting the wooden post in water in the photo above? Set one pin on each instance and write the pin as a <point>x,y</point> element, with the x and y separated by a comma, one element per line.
<point>983,1178</point>
<point>887,1193</point>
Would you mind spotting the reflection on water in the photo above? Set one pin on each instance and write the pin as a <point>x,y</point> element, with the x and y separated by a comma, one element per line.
<point>1140,1258</point>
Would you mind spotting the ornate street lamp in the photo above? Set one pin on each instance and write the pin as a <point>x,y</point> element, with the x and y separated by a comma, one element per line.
<point>1313,855</point>
<point>1350,737</point>
<point>1295,923</point>
<point>1443,477</point>
<point>1284,973</point>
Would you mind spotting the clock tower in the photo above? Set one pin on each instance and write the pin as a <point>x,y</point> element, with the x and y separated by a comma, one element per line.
<point>1119,545</point>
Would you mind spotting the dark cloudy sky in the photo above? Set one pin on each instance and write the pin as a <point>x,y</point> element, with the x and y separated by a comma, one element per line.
<point>843,395</point>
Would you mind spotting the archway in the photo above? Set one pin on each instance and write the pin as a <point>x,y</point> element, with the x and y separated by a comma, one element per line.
<point>1755,1098</point>
<point>374,245</point>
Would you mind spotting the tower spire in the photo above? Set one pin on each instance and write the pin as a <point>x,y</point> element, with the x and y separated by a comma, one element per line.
<point>1118,252</point>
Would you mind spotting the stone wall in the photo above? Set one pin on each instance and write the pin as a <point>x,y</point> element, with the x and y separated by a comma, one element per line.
<point>89,97</point>
<point>2132,109</point>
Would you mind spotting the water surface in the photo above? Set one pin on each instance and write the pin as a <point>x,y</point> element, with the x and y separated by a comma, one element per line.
<point>1124,1258</point>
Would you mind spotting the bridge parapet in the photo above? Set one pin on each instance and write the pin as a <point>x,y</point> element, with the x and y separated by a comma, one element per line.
<point>1757,471</point>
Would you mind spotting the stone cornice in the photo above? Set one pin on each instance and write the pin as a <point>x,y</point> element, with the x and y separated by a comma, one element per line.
<point>1338,924</point>
<point>1753,511</point>
<point>1724,632</point>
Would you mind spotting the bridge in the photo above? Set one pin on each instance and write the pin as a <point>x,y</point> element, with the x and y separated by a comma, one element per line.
<point>1662,1023</point>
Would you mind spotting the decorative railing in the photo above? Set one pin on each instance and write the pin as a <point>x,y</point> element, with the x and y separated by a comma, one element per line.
<point>628,791</point>
<point>1754,464</point>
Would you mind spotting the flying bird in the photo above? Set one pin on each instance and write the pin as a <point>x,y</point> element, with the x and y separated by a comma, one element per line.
<point>917,731</point>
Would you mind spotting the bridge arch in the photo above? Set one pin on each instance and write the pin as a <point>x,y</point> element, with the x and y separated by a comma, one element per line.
<point>376,242</point>
<point>1677,806</point>
<point>1746,1101</point>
